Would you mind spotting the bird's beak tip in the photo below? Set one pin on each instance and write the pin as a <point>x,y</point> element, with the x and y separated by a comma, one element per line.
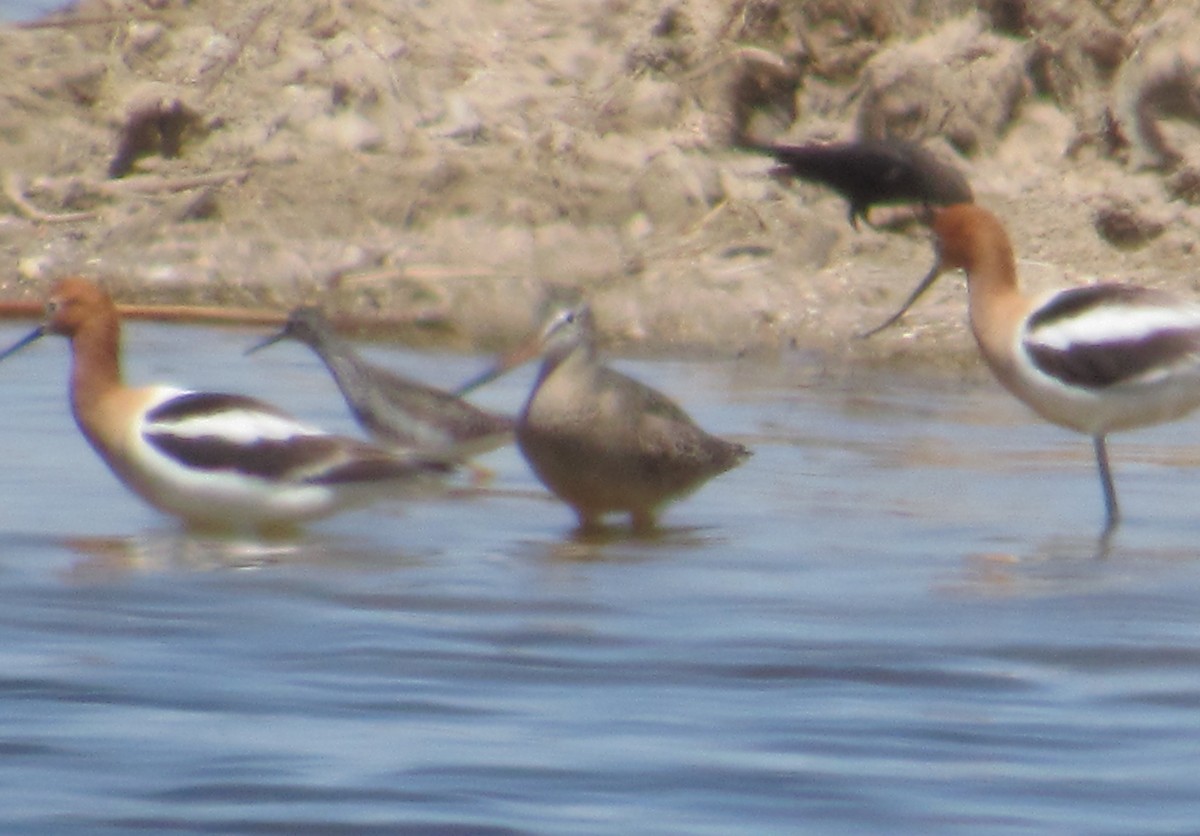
<point>32,336</point>
<point>925,284</point>
<point>519,356</point>
<point>266,342</point>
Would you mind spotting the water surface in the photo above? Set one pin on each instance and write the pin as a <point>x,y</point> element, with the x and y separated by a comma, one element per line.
<point>17,10</point>
<point>891,619</point>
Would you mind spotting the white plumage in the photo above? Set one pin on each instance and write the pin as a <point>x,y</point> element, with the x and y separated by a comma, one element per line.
<point>215,460</point>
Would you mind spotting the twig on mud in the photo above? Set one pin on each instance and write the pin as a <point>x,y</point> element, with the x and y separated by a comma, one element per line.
<point>211,314</point>
<point>14,190</point>
<point>228,315</point>
<point>21,310</point>
<point>240,40</point>
<point>71,22</point>
<point>430,313</point>
<point>411,272</point>
<point>223,315</point>
<point>687,238</point>
<point>153,184</point>
<point>143,183</point>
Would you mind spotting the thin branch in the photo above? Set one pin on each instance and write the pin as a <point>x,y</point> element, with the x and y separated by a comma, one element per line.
<point>240,41</point>
<point>224,315</point>
<point>20,310</point>
<point>14,190</point>
<point>71,22</point>
<point>410,272</point>
<point>153,184</point>
<point>142,183</point>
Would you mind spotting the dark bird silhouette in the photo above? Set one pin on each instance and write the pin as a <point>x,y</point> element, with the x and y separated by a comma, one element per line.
<point>395,410</point>
<point>869,172</point>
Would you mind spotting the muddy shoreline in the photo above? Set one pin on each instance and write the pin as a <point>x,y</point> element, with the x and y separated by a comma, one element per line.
<point>425,170</point>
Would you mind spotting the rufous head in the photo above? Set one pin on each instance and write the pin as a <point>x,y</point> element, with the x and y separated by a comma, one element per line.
<point>962,234</point>
<point>72,302</point>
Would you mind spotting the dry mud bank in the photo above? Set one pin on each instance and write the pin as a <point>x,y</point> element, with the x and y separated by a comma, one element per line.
<point>441,162</point>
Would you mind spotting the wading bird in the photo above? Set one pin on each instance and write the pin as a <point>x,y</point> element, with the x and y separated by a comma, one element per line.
<point>393,409</point>
<point>1094,359</point>
<point>218,461</point>
<point>603,442</point>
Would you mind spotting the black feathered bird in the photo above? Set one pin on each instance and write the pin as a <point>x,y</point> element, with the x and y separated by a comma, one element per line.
<point>867,172</point>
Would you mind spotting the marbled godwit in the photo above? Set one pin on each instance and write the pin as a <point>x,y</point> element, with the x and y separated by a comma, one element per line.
<point>603,442</point>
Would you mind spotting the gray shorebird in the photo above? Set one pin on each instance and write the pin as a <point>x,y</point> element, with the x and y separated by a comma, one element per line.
<point>603,442</point>
<point>869,172</point>
<point>394,409</point>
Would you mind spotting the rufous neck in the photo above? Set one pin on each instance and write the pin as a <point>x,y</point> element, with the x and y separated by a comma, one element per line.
<point>95,362</point>
<point>991,266</point>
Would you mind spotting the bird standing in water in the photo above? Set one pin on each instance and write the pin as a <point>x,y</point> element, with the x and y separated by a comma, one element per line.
<point>869,172</point>
<point>1093,359</point>
<point>603,442</point>
<point>395,410</point>
<point>218,461</point>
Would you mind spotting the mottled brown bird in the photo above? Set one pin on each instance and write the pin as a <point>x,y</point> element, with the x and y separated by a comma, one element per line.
<point>870,172</point>
<point>603,442</point>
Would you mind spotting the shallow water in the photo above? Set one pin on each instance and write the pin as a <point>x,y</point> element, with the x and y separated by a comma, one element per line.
<point>890,619</point>
<point>15,10</point>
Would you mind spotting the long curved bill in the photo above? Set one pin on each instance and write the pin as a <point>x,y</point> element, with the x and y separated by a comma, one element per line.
<point>925,284</point>
<point>519,356</point>
<point>33,336</point>
<point>278,336</point>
